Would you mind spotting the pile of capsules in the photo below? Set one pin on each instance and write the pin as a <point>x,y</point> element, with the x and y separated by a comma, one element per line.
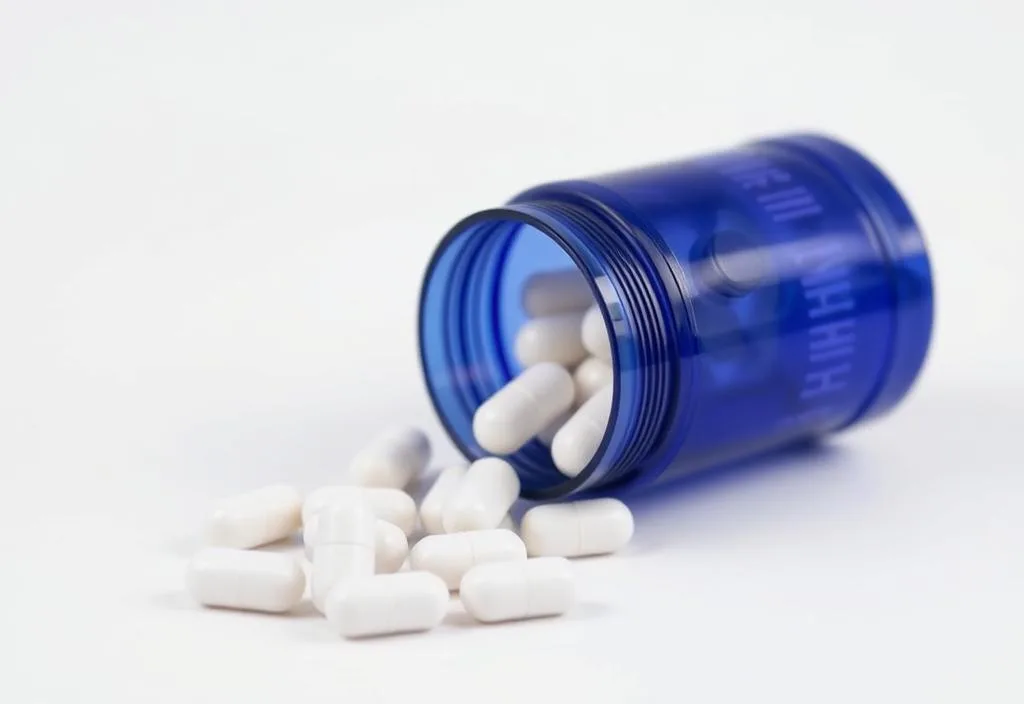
<point>356,535</point>
<point>564,395</point>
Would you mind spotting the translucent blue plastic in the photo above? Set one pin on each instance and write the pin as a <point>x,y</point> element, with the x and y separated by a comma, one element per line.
<point>757,297</point>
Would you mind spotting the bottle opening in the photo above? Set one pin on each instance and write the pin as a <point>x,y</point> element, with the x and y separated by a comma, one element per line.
<point>472,307</point>
<point>477,296</point>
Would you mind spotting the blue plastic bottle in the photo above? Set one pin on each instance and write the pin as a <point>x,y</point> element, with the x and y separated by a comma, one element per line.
<point>757,297</point>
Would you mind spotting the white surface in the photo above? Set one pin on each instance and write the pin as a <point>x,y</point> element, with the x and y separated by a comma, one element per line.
<point>214,219</point>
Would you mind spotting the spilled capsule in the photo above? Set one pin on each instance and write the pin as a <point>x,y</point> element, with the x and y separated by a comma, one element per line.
<point>255,518</point>
<point>390,545</point>
<point>510,591</point>
<point>391,505</point>
<point>245,579</point>
<point>483,497</point>
<point>344,548</point>
<point>432,506</point>
<point>388,603</point>
<point>450,556</point>
<point>390,548</point>
<point>590,527</point>
<point>391,459</point>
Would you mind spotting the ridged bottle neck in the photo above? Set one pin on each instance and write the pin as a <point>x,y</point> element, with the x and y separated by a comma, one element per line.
<point>631,292</point>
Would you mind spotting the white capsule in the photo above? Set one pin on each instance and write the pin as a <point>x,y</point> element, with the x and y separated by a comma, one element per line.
<point>344,547</point>
<point>245,579</point>
<point>554,292</point>
<point>592,527</point>
<point>509,591</point>
<point>576,442</point>
<point>255,518</point>
<point>591,376</point>
<point>390,545</point>
<point>523,408</point>
<point>547,435</point>
<point>451,556</point>
<point>388,603</point>
<point>595,335</point>
<point>391,505</point>
<point>391,459</point>
<point>554,338</point>
<point>483,497</point>
<point>432,506</point>
<point>508,523</point>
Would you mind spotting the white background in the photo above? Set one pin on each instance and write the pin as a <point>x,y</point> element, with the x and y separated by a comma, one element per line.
<point>214,219</point>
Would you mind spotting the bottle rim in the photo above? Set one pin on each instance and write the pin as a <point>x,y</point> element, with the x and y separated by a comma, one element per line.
<point>633,303</point>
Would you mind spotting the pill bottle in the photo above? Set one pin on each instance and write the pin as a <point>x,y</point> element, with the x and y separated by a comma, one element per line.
<point>758,297</point>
